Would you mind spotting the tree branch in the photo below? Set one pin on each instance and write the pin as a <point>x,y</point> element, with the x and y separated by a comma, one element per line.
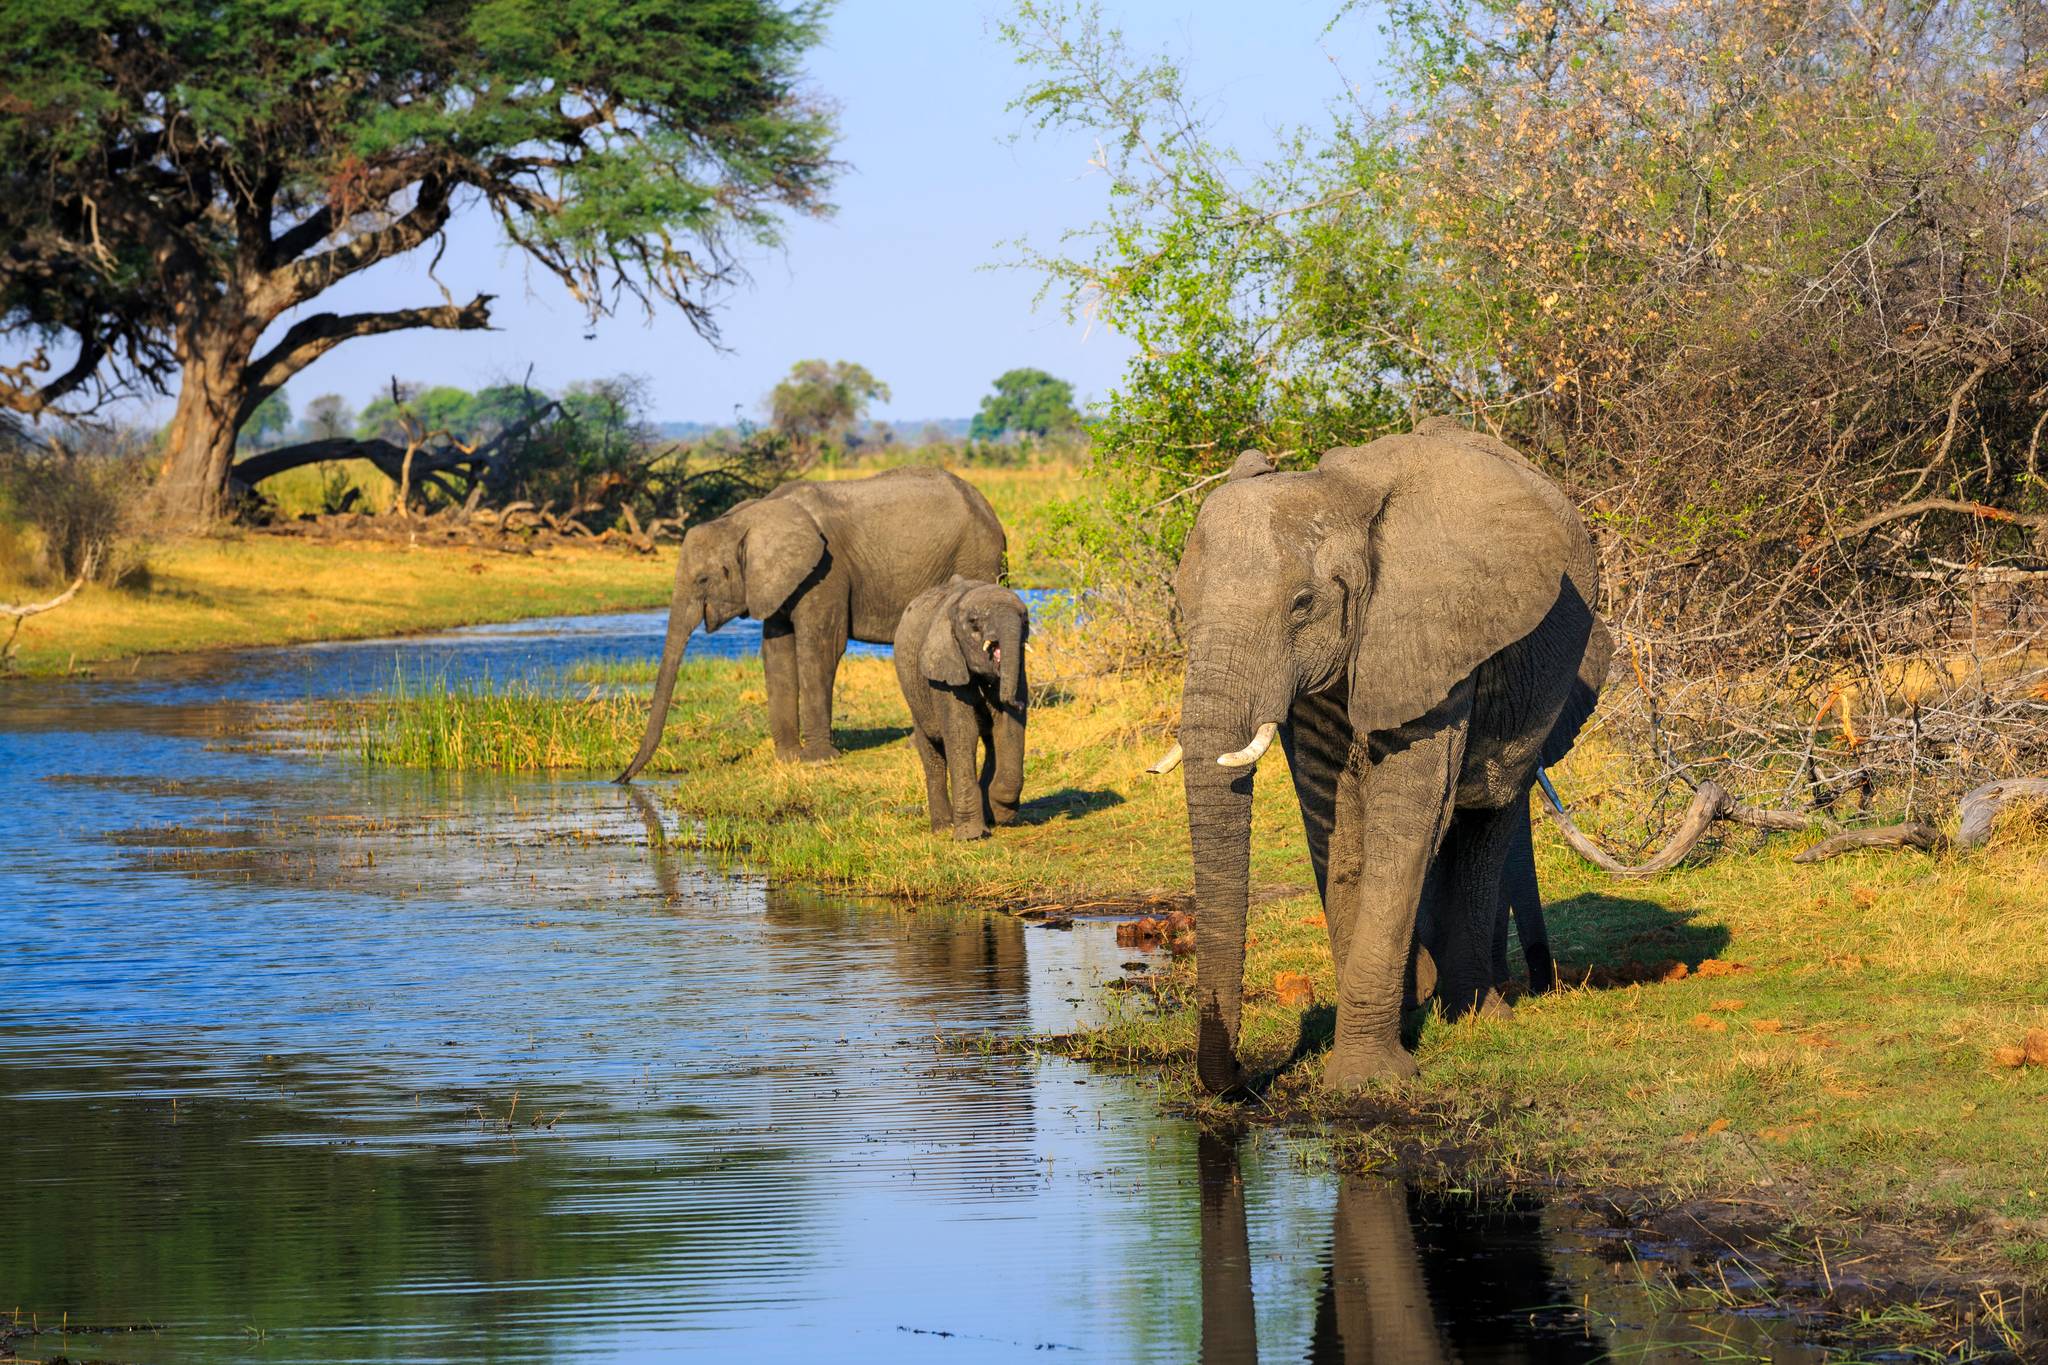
<point>28,609</point>
<point>312,337</point>
<point>23,396</point>
<point>302,236</point>
<point>1914,509</point>
<point>480,463</point>
<point>295,283</point>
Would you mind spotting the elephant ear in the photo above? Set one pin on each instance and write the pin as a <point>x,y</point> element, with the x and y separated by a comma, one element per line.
<point>1584,696</point>
<point>1467,558</point>
<point>940,658</point>
<point>780,548</point>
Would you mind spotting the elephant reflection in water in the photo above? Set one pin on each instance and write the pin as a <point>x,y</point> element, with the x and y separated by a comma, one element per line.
<point>1375,1301</point>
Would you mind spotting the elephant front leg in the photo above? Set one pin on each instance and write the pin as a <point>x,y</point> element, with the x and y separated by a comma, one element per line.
<point>1404,807</point>
<point>779,663</point>
<point>821,643</point>
<point>962,734</point>
<point>937,801</point>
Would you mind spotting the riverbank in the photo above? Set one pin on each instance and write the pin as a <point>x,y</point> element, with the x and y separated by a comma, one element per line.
<point>1822,1049</point>
<point>244,588</point>
<point>239,589</point>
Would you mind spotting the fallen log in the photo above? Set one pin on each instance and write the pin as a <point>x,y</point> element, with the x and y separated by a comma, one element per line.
<point>1977,811</point>
<point>1980,806</point>
<point>1975,814</point>
<point>1912,834</point>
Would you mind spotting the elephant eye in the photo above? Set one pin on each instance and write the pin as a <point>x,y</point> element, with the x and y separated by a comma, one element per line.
<point>1303,600</point>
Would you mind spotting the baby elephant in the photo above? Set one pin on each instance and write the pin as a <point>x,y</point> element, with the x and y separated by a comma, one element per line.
<point>960,659</point>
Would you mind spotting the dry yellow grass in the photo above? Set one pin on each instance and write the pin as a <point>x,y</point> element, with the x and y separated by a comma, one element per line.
<point>252,589</point>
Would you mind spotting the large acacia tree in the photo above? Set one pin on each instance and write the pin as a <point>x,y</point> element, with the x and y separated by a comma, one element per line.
<point>177,176</point>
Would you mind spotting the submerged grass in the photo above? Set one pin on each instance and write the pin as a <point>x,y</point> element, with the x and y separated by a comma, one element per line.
<point>1828,1048</point>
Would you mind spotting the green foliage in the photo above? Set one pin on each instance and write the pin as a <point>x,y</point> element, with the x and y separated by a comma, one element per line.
<point>1243,326</point>
<point>327,418</point>
<point>179,175</point>
<point>271,419</point>
<point>1028,402</point>
<point>596,450</point>
<point>441,407</point>
<point>819,399</point>
<point>1765,287</point>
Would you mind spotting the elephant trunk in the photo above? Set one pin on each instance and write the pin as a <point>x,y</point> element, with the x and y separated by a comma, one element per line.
<point>684,614</point>
<point>1010,639</point>
<point>1219,830</point>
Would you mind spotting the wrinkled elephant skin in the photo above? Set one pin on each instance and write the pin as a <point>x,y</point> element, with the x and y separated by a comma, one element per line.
<point>817,564</point>
<point>1413,619</point>
<point>960,662</point>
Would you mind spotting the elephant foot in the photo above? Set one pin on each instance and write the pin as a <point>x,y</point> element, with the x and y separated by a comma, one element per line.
<point>1488,1003</point>
<point>820,753</point>
<point>967,834</point>
<point>1423,980</point>
<point>1495,1006</point>
<point>1004,815</point>
<point>1355,1068</point>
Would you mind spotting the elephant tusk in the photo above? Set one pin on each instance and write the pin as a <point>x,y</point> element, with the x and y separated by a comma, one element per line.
<point>1168,761</point>
<point>1254,751</point>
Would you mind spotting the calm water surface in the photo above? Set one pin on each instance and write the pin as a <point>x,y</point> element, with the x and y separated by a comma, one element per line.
<point>304,1061</point>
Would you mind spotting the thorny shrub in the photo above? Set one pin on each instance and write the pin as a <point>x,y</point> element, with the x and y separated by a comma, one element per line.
<point>1764,285</point>
<point>82,494</point>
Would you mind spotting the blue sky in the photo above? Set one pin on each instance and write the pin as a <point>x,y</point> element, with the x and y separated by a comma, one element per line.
<point>897,278</point>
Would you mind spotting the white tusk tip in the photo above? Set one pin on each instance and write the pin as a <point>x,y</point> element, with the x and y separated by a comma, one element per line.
<point>1254,751</point>
<point>1167,762</point>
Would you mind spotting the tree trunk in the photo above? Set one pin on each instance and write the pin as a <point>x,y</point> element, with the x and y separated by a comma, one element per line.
<point>199,447</point>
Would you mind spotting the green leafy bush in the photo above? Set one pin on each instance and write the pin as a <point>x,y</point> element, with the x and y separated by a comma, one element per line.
<point>1765,286</point>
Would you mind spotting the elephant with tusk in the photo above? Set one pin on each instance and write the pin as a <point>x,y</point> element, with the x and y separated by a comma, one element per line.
<point>1412,620</point>
<point>818,563</point>
<point>1521,900</point>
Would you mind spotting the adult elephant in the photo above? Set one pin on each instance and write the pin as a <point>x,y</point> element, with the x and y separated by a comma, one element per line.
<point>817,564</point>
<point>1413,620</point>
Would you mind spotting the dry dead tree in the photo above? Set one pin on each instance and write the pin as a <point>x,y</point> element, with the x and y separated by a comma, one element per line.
<point>21,613</point>
<point>434,455</point>
<point>1711,802</point>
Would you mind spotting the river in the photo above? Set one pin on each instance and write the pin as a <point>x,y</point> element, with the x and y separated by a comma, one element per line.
<point>306,1061</point>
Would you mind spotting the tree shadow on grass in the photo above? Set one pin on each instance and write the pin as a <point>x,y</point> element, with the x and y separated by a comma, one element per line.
<point>1600,942</point>
<point>1068,802</point>
<point>871,737</point>
<point>1604,941</point>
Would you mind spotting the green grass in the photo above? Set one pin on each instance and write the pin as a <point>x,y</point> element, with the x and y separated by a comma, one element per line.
<point>423,725</point>
<point>858,824</point>
<point>1837,1063</point>
<point>305,489</point>
<point>613,672</point>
